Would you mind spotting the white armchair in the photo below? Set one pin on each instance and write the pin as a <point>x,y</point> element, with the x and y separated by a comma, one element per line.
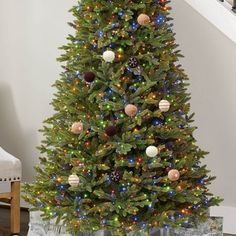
<point>10,171</point>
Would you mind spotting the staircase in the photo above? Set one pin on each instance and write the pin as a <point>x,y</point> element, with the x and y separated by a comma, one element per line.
<point>219,13</point>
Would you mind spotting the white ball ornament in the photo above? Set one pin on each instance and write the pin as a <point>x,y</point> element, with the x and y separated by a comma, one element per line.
<point>109,56</point>
<point>151,151</point>
<point>164,105</point>
<point>73,180</point>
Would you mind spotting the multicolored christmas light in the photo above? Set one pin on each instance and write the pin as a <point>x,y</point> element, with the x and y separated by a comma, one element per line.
<point>119,151</point>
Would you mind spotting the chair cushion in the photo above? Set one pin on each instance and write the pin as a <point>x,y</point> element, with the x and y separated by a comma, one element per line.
<point>10,167</point>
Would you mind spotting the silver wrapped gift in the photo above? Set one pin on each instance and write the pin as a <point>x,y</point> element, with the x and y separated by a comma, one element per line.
<point>38,227</point>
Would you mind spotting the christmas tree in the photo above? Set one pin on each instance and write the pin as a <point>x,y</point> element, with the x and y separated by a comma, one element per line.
<point>119,152</point>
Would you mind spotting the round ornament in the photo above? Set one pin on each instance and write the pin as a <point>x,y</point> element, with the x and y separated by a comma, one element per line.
<point>164,105</point>
<point>89,77</point>
<point>133,62</point>
<point>77,127</point>
<point>109,56</point>
<point>131,110</point>
<point>115,176</point>
<point>151,151</point>
<point>170,145</point>
<point>173,175</point>
<point>143,19</point>
<point>111,131</point>
<point>73,180</point>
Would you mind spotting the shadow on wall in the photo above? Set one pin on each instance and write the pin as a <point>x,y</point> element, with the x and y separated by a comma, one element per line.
<point>12,137</point>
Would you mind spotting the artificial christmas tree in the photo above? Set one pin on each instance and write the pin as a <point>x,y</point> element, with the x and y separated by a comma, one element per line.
<point>119,152</point>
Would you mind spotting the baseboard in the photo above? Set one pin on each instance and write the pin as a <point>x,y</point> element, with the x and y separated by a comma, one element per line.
<point>229,214</point>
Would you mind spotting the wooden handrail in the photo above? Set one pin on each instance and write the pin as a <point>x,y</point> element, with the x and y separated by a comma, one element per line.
<point>5,195</point>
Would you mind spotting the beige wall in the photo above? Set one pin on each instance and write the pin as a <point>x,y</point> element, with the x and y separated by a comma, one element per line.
<point>210,61</point>
<point>31,31</point>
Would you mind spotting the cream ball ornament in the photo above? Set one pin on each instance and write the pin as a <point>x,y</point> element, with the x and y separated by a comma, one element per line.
<point>151,151</point>
<point>109,56</point>
<point>73,180</point>
<point>173,175</point>
<point>143,19</point>
<point>77,127</point>
<point>131,110</point>
<point>164,105</point>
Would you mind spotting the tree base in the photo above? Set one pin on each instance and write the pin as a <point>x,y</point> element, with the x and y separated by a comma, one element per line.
<point>212,227</point>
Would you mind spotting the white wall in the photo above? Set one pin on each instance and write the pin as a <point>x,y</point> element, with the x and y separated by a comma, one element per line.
<point>32,30</point>
<point>30,33</point>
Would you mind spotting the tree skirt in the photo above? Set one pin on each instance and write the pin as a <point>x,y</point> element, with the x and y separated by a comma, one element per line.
<point>37,227</point>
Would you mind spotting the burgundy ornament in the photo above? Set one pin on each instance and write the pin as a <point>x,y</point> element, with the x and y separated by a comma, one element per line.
<point>89,77</point>
<point>111,131</point>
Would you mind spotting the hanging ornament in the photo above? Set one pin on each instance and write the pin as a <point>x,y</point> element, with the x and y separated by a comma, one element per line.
<point>131,110</point>
<point>164,105</point>
<point>143,19</point>
<point>89,77</point>
<point>77,127</point>
<point>108,56</point>
<point>173,175</point>
<point>111,131</point>
<point>115,176</point>
<point>73,180</point>
<point>133,62</point>
<point>151,151</point>
<point>170,145</point>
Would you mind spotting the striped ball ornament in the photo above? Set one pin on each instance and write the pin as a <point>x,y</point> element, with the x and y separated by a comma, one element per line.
<point>73,180</point>
<point>164,105</point>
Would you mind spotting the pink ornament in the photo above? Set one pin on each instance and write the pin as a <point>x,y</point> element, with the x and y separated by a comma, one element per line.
<point>77,128</point>
<point>143,19</point>
<point>131,110</point>
<point>173,175</point>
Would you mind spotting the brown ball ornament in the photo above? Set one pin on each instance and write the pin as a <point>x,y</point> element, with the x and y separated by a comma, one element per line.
<point>111,131</point>
<point>77,127</point>
<point>143,19</point>
<point>89,77</point>
<point>173,175</point>
<point>131,110</point>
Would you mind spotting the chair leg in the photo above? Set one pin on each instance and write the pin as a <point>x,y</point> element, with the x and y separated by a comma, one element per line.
<point>15,207</point>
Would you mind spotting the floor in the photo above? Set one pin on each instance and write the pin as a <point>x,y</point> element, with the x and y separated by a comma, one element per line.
<point>5,223</point>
